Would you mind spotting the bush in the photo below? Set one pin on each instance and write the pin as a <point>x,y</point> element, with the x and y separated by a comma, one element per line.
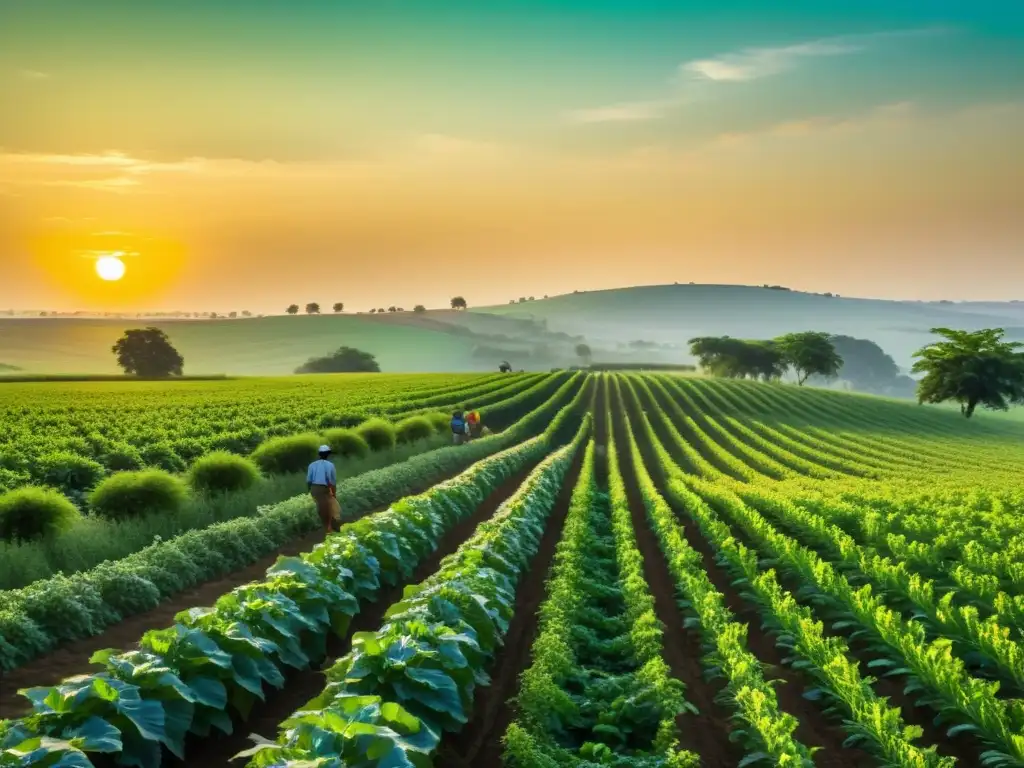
<point>69,471</point>
<point>378,434</point>
<point>122,458</point>
<point>222,472</point>
<point>284,455</point>
<point>346,443</point>
<point>414,428</point>
<point>33,513</point>
<point>134,494</point>
<point>162,456</point>
<point>344,360</point>
<point>441,422</point>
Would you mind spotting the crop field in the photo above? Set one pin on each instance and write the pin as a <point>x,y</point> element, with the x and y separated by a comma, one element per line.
<point>632,570</point>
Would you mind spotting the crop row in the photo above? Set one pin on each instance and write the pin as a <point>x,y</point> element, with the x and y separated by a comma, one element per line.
<point>189,678</point>
<point>35,619</point>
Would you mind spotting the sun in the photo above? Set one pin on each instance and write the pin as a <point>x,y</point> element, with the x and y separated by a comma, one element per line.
<point>110,268</point>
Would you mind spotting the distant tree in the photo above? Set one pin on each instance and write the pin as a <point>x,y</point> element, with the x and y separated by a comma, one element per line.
<point>505,367</point>
<point>866,366</point>
<point>148,352</point>
<point>312,308</point>
<point>233,315</point>
<point>458,302</point>
<point>344,360</point>
<point>809,353</point>
<point>971,368</point>
<point>532,299</point>
<point>339,307</point>
<point>392,308</point>
<point>246,313</point>
<point>419,309</point>
<point>380,310</point>
<point>293,309</point>
<point>213,315</point>
<point>738,358</point>
<point>373,311</point>
<point>583,353</point>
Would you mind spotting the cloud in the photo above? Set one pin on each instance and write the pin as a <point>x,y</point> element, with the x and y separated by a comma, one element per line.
<point>634,111</point>
<point>33,74</point>
<point>755,63</point>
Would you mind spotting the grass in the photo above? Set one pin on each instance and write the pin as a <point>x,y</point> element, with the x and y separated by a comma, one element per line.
<point>94,540</point>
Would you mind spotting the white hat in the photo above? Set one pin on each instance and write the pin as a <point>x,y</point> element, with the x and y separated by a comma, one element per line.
<point>325,449</point>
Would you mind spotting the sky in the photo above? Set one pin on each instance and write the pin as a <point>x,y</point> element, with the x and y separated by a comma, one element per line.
<point>248,155</point>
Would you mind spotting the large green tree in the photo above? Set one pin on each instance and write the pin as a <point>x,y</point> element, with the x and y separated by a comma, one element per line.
<point>738,358</point>
<point>149,353</point>
<point>971,368</point>
<point>809,353</point>
<point>344,360</point>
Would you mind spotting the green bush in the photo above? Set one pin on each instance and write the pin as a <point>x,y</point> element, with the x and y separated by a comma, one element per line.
<point>133,494</point>
<point>346,443</point>
<point>378,434</point>
<point>441,422</point>
<point>283,455</point>
<point>162,456</point>
<point>221,472</point>
<point>414,428</point>
<point>69,471</point>
<point>122,458</point>
<point>33,513</point>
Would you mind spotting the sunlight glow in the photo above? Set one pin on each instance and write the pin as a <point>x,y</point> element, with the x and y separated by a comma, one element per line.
<point>110,268</point>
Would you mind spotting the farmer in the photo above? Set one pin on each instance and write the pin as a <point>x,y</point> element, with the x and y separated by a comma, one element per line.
<point>459,427</point>
<point>473,422</point>
<point>322,481</point>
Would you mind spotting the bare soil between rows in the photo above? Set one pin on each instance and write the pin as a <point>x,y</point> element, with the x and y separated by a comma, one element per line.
<point>302,686</point>
<point>480,742</point>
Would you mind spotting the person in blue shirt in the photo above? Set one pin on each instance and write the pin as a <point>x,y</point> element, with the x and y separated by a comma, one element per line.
<point>322,482</point>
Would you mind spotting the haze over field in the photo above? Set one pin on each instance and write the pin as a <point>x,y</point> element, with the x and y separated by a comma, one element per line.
<point>401,153</point>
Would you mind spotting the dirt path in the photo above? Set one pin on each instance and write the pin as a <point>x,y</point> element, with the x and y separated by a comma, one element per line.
<point>302,686</point>
<point>72,658</point>
<point>706,733</point>
<point>479,745</point>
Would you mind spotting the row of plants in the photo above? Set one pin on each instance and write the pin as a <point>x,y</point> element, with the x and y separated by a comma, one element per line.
<point>190,678</point>
<point>392,697</point>
<point>36,619</point>
<point>598,689</point>
<point>767,732</point>
<point>868,719</point>
<point>76,462</point>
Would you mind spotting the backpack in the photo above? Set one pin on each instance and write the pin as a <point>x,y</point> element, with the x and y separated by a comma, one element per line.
<point>458,426</point>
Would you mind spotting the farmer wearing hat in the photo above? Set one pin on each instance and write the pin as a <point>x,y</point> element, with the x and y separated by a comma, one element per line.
<point>322,481</point>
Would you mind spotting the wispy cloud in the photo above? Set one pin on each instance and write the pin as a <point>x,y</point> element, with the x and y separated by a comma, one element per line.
<point>756,63</point>
<point>33,74</point>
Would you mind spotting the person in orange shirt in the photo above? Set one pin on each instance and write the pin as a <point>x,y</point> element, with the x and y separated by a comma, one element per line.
<point>473,419</point>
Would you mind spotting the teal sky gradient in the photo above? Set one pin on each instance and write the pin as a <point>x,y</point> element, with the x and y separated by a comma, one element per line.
<point>344,84</point>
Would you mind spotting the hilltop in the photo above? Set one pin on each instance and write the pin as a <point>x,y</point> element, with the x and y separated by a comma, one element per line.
<point>649,324</point>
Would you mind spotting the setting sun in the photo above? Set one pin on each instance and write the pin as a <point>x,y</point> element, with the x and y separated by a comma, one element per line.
<point>110,268</point>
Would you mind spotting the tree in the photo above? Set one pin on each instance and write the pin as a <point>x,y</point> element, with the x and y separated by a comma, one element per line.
<point>866,365</point>
<point>505,367</point>
<point>583,353</point>
<point>419,309</point>
<point>344,360</point>
<point>809,353</point>
<point>148,352</point>
<point>738,358</point>
<point>246,313</point>
<point>339,307</point>
<point>392,308</point>
<point>458,302</point>
<point>971,368</point>
<point>293,309</point>
<point>232,315</point>
<point>312,308</point>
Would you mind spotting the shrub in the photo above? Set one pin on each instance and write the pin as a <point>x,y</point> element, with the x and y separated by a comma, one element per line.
<point>133,494</point>
<point>378,434</point>
<point>221,472</point>
<point>283,455</point>
<point>346,443</point>
<point>162,456</point>
<point>122,458</point>
<point>414,428</point>
<point>32,513</point>
<point>69,471</point>
<point>441,422</point>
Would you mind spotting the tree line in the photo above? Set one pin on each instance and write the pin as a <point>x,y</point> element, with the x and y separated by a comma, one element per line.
<point>313,308</point>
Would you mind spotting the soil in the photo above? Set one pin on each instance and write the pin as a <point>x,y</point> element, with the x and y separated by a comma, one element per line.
<point>73,658</point>
<point>302,686</point>
<point>479,743</point>
<point>706,733</point>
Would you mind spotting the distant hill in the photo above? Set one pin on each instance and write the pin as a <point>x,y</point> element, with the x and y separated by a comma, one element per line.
<point>672,314</point>
<point>643,324</point>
